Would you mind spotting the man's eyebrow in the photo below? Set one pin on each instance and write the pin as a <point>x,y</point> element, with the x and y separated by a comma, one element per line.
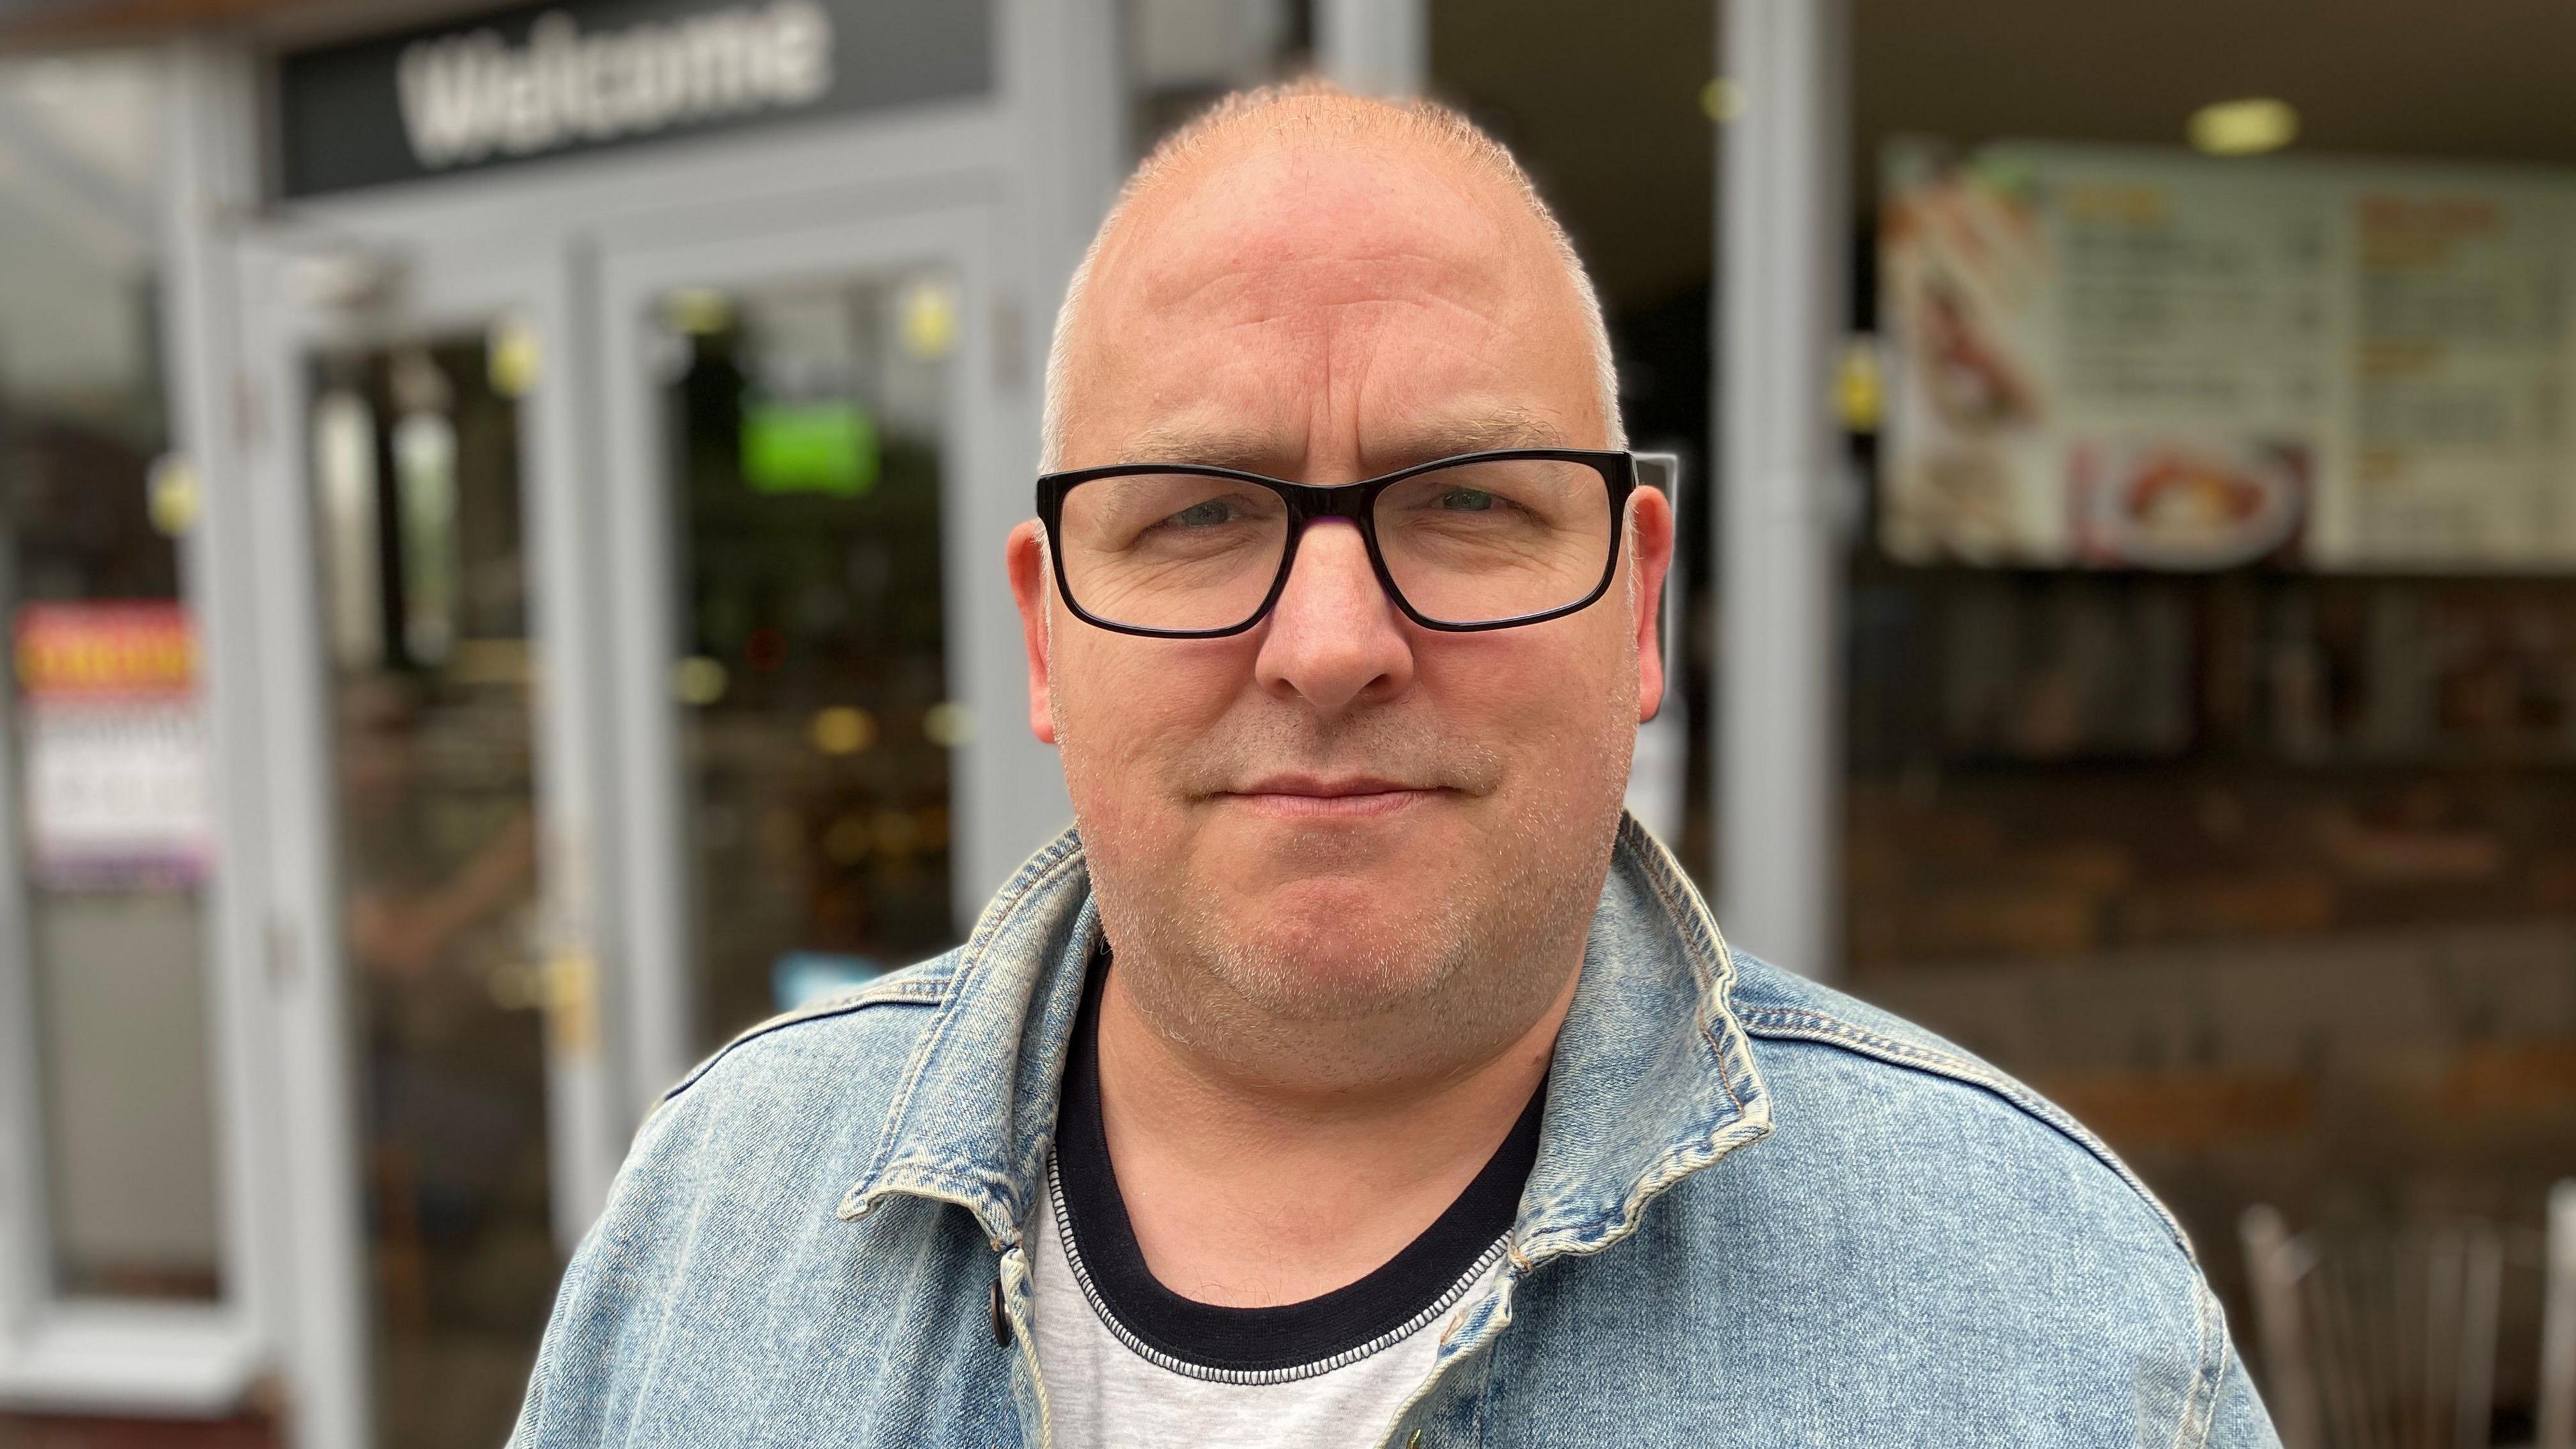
<point>1217,446</point>
<point>1481,430</point>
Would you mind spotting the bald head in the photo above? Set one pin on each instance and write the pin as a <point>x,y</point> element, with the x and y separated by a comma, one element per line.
<point>1309,222</point>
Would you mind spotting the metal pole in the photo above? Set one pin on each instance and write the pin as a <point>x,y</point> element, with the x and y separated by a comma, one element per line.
<point>1782,311</point>
<point>1375,47</point>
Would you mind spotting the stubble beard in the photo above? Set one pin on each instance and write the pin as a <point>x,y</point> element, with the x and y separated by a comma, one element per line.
<point>1453,971</point>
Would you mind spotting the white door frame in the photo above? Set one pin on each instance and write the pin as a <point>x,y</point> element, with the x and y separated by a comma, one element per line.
<point>426,291</point>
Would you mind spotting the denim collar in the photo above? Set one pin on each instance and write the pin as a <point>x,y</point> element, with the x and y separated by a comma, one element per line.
<point>1653,1077</point>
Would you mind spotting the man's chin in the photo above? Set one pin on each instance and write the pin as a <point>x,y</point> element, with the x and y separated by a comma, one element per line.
<point>1321,907</point>
<point>1342,940</point>
<point>1368,847</point>
<point>1323,986</point>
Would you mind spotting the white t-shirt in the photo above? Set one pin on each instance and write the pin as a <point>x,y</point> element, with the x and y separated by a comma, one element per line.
<point>1128,1363</point>
<point>1106,1387</point>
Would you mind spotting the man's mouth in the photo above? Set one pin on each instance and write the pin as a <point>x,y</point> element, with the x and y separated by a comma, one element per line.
<point>1330,796</point>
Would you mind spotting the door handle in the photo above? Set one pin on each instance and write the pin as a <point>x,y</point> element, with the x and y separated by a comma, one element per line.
<point>565,986</point>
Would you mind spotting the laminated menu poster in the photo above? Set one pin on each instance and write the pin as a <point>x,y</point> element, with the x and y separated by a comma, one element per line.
<point>114,746</point>
<point>2111,357</point>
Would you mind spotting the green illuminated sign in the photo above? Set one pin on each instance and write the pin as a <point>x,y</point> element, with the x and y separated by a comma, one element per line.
<point>809,447</point>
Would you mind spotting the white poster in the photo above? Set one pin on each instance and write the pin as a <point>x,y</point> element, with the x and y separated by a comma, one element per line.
<point>2128,358</point>
<point>113,745</point>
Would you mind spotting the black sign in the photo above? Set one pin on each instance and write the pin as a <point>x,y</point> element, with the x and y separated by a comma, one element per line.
<point>554,80</point>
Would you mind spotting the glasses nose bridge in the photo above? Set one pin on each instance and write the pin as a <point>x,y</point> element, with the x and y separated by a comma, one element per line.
<point>1308,502</point>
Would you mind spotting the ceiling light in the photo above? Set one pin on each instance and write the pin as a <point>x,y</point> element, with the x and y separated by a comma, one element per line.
<point>697,311</point>
<point>843,729</point>
<point>2244,128</point>
<point>1721,100</point>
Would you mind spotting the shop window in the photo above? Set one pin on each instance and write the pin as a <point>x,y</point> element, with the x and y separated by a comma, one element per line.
<point>2212,707</point>
<point>110,832</point>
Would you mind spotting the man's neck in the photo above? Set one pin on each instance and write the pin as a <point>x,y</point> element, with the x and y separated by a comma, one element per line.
<point>1250,1193</point>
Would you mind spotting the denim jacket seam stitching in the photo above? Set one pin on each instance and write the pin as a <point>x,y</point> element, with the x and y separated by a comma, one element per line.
<point>1717,1049</point>
<point>1722,978</point>
<point>2200,1406</point>
<point>916,991</point>
<point>1791,1022</point>
<point>1041,868</point>
<point>1032,1166</point>
<point>1718,982</point>
<point>1855,1032</point>
<point>1714,975</point>
<point>1485,1392</point>
<point>1032,875</point>
<point>1602,1232</point>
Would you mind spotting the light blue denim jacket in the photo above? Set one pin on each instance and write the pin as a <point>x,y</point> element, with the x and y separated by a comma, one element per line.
<point>1762,1214</point>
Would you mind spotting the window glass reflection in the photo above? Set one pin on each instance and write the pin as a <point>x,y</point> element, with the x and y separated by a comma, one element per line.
<point>808,421</point>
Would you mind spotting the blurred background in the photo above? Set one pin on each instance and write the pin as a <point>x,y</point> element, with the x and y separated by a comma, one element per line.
<point>500,515</point>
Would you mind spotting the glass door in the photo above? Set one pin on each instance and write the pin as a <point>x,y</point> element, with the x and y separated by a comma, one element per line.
<point>418,496</point>
<point>825,710</point>
<point>807,463</point>
<point>426,508</point>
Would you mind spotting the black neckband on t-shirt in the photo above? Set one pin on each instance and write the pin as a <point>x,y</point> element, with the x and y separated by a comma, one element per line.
<point>1340,1325</point>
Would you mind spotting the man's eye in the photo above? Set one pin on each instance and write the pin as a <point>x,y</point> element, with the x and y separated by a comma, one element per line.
<point>1466,500</point>
<point>1203,515</point>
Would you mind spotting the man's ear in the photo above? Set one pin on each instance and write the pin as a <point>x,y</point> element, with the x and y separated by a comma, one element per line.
<point>1024,555</point>
<point>1650,557</point>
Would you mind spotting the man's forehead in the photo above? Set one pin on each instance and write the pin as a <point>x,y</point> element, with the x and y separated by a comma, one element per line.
<point>1234,294</point>
<point>1274,225</point>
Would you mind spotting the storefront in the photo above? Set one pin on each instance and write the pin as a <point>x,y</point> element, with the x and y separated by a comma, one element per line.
<point>504,564</point>
<point>590,429</point>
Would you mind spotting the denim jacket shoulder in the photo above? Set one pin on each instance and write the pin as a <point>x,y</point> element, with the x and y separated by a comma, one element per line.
<point>1779,1006</point>
<point>1985,1269</point>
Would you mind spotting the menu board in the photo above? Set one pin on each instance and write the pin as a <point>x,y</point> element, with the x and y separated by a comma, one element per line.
<point>2126,358</point>
<point>114,745</point>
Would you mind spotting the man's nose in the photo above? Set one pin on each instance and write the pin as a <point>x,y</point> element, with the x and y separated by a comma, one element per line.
<point>1334,638</point>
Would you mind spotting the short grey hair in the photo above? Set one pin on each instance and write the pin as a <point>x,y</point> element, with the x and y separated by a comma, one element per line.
<point>1312,105</point>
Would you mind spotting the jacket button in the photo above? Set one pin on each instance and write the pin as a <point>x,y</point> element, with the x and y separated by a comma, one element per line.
<point>1001,1320</point>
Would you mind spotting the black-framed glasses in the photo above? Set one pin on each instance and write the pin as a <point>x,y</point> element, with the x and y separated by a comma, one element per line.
<point>1479,541</point>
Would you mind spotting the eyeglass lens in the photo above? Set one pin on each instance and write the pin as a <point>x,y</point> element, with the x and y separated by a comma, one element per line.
<point>1471,543</point>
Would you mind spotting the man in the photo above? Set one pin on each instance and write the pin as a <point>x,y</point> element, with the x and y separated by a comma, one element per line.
<point>1358,1075</point>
